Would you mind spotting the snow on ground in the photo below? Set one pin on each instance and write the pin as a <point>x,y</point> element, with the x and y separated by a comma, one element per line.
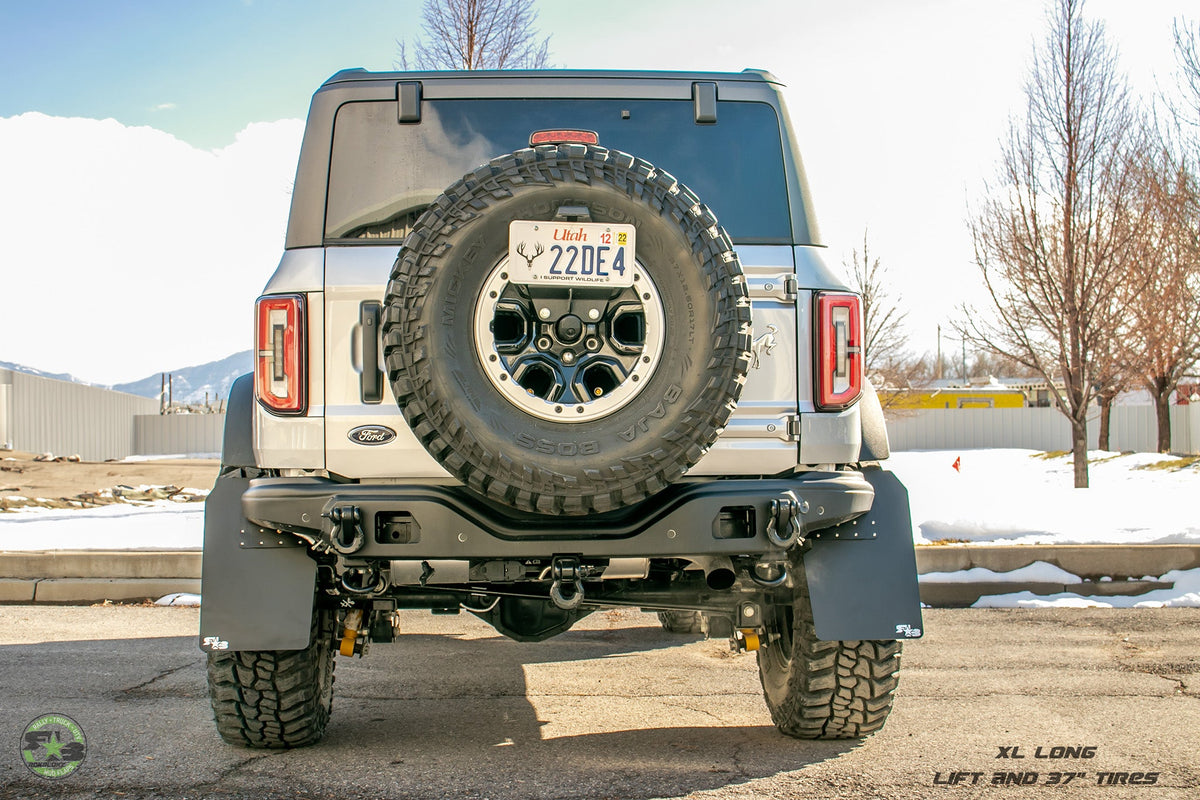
<point>178,599</point>
<point>162,525</point>
<point>1018,497</point>
<point>1037,572</point>
<point>173,457</point>
<point>1186,592</point>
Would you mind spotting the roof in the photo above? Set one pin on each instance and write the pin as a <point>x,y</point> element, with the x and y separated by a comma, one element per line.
<point>359,74</point>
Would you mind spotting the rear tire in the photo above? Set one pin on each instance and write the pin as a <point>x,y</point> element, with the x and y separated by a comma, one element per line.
<point>681,621</point>
<point>275,698</point>
<point>825,690</point>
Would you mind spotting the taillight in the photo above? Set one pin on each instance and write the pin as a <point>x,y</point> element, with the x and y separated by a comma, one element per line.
<point>839,350</point>
<point>279,353</point>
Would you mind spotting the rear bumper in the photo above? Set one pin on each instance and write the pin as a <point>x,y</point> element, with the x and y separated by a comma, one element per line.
<point>420,521</point>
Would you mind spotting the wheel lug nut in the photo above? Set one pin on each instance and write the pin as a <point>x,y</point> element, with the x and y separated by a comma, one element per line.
<point>593,313</point>
<point>568,357</point>
<point>544,313</point>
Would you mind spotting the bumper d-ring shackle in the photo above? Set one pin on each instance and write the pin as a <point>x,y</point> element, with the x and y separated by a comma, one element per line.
<point>566,571</point>
<point>783,526</point>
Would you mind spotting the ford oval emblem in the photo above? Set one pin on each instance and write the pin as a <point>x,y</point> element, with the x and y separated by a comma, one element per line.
<point>371,434</point>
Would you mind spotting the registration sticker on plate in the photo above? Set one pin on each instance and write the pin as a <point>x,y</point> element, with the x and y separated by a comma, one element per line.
<point>572,253</point>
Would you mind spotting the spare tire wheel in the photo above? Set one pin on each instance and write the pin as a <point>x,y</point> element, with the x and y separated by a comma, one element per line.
<point>548,386</point>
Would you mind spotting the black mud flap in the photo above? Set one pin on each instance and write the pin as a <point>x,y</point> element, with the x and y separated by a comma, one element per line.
<point>862,575</point>
<point>257,587</point>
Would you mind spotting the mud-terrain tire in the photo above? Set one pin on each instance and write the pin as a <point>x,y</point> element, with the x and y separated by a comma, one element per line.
<point>275,698</point>
<point>681,621</point>
<point>825,690</point>
<point>454,402</point>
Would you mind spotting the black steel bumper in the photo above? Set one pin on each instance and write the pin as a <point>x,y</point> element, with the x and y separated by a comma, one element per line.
<point>417,521</point>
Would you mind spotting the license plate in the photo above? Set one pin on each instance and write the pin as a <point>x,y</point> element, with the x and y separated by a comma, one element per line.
<point>571,253</point>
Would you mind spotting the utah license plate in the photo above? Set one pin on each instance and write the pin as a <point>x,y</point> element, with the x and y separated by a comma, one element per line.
<point>573,253</point>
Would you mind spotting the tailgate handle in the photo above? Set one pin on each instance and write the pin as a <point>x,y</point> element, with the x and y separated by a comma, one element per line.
<point>704,100</point>
<point>371,382</point>
<point>408,102</point>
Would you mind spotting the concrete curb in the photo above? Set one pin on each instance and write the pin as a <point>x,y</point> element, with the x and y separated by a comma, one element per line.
<point>92,576</point>
<point>86,576</point>
<point>108,564</point>
<point>1106,570</point>
<point>1088,561</point>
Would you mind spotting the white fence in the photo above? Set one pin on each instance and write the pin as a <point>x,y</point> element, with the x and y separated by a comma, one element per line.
<point>41,414</point>
<point>1132,428</point>
<point>182,434</point>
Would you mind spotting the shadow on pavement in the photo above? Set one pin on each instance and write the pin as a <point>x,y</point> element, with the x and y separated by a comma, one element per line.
<point>627,712</point>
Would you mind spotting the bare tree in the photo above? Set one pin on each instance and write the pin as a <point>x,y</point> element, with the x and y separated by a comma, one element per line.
<point>1166,331</point>
<point>988,363</point>
<point>1053,234</point>
<point>883,321</point>
<point>477,34</point>
<point>1187,53</point>
<point>1117,368</point>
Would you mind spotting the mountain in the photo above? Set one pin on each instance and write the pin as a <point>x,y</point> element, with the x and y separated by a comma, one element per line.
<point>58,376</point>
<point>191,383</point>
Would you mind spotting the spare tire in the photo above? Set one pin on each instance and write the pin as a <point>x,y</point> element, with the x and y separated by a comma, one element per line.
<point>566,399</point>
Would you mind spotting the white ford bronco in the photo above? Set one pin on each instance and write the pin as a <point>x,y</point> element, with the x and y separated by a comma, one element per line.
<point>542,343</point>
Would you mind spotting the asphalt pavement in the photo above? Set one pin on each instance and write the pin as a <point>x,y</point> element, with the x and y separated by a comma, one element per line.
<point>618,709</point>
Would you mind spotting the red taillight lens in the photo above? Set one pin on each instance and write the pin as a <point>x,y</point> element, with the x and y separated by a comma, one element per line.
<point>563,137</point>
<point>839,350</point>
<point>279,353</point>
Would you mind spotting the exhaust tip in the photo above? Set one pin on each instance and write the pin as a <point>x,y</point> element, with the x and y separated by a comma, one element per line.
<point>720,579</point>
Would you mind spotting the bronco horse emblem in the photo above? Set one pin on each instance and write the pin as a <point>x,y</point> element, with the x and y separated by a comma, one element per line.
<point>763,346</point>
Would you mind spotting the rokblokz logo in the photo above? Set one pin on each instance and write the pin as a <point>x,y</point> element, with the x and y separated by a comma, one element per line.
<point>53,746</point>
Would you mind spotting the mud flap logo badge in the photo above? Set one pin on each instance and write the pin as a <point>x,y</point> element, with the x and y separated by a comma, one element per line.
<point>215,643</point>
<point>908,632</point>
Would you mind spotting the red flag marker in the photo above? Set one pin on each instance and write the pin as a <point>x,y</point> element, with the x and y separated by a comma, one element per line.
<point>957,463</point>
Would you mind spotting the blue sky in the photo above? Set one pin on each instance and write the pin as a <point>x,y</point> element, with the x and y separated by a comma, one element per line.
<point>199,70</point>
<point>898,106</point>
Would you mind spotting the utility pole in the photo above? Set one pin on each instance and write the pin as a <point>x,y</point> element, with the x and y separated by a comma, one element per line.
<point>938,369</point>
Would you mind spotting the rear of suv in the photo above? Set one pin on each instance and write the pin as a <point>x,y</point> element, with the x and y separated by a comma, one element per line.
<point>542,343</point>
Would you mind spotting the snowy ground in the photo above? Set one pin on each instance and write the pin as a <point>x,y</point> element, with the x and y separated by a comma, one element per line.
<point>1185,592</point>
<point>995,497</point>
<point>162,525</point>
<point>1019,497</point>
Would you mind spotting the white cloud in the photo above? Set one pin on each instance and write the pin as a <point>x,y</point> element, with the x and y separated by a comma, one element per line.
<point>165,107</point>
<point>126,251</point>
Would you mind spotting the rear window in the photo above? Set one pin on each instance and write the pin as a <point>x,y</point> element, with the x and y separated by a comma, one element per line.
<point>383,174</point>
